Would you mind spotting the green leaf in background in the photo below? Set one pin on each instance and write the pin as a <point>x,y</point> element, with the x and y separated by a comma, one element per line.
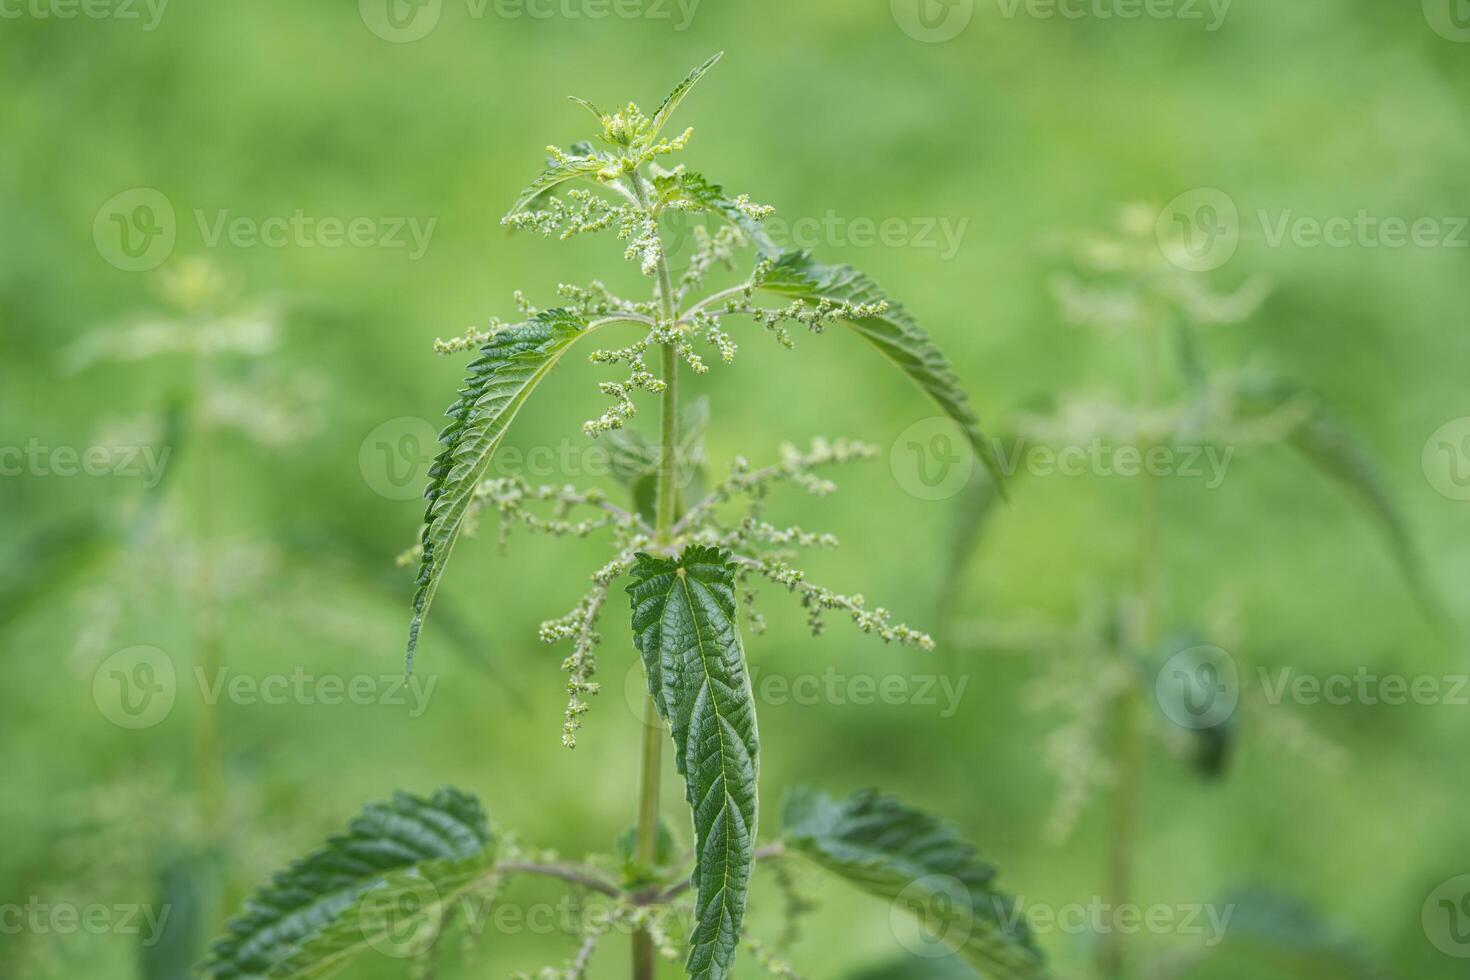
<point>896,335</point>
<point>509,368</point>
<point>1325,443</point>
<point>188,887</point>
<point>1271,934</point>
<point>919,968</point>
<point>901,854</point>
<point>1207,746</point>
<point>671,104</point>
<point>684,625</point>
<point>634,461</point>
<point>385,885</point>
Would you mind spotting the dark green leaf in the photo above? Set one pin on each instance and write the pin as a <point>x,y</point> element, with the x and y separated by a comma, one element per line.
<point>499,382</point>
<point>684,625</point>
<point>896,335</point>
<point>905,856</point>
<point>400,864</point>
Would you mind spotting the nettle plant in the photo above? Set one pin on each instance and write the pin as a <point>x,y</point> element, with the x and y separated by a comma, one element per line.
<point>408,869</point>
<point>1132,672</point>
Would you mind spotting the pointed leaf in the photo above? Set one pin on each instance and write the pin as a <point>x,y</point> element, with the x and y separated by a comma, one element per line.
<point>1325,443</point>
<point>399,865</point>
<point>500,380</point>
<point>903,855</point>
<point>684,625</point>
<point>557,174</point>
<point>896,335</point>
<point>670,104</point>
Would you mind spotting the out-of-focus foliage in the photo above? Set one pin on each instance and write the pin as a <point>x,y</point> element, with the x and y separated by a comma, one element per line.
<point>1022,128</point>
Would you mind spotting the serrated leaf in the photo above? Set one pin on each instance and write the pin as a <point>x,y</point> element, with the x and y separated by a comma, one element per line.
<point>685,627</point>
<point>895,333</point>
<point>400,864</point>
<point>670,104</point>
<point>1325,443</point>
<point>711,197</point>
<point>500,380</point>
<point>557,174</point>
<point>903,855</point>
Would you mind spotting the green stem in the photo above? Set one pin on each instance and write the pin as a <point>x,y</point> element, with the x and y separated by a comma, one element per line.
<point>1128,745</point>
<point>645,851</point>
<point>208,742</point>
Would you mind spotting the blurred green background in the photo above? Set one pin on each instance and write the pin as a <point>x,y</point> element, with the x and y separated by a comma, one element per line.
<point>270,542</point>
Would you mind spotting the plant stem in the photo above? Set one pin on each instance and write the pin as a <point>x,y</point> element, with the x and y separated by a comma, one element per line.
<point>645,851</point>
<point>1128,745</point>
